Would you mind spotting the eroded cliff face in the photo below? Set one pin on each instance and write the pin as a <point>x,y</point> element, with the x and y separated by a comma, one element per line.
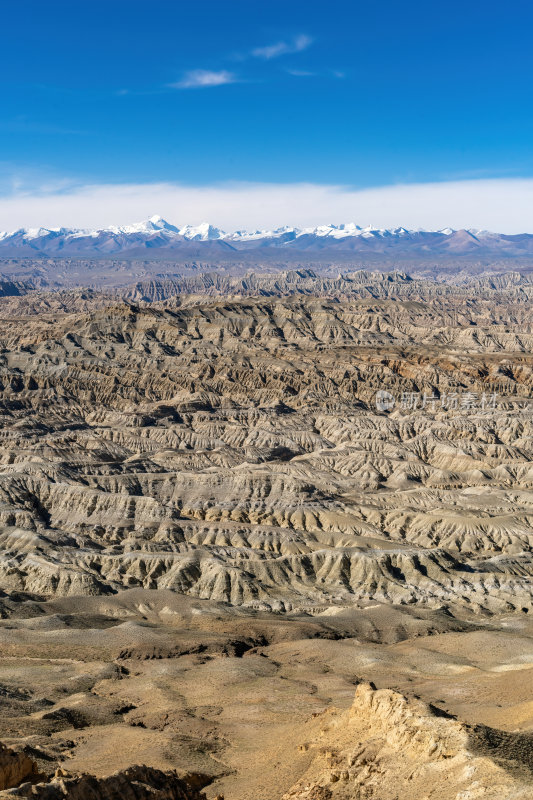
<point>16,768</point>
<point>135,783</point>
<point>388,747</point>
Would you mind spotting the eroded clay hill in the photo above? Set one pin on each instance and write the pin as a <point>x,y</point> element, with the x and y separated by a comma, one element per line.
<point>215,528</point>
<point>234,451</point>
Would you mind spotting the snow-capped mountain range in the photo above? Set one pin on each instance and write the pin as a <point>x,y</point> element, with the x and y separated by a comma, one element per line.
<point>156,237</point>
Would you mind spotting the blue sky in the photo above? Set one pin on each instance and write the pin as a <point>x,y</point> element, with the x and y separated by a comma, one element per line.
<point>199,93</point>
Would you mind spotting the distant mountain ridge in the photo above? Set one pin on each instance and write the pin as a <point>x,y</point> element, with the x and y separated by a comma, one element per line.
<point>156,236</point>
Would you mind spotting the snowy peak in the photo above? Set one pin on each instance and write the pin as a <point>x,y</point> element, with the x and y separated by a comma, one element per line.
<point>207,232</point>
<point>202,233</point>
<point>157,223</point>
<point>152,225</point>
<point>159,236</point>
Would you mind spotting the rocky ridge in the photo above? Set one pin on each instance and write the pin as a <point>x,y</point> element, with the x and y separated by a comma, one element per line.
<point>386,747</point>
<point>135,783</point>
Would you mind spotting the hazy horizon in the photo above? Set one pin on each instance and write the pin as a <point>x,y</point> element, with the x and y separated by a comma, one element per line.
<point>498,205</point>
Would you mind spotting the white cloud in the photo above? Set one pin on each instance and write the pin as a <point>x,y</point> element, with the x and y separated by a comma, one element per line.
<point>299,43</point>
<point>501,204</point>
<point>203,78</point>
<point>301,73</point>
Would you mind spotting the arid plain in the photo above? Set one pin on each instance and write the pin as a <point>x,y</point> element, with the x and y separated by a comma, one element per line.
<point>268,538</point>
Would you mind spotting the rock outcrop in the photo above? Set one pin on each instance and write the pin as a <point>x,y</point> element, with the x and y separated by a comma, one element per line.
<point>16,768</point>
<point>135,783</point>
<point>390,748</point>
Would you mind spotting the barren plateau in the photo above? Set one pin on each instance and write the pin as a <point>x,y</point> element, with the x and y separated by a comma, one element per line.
<point>267,538</point>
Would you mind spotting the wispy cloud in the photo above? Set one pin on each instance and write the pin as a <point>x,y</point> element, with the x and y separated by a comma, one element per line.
<point>19,181</point>
<point>204,78</point>
<point>301,73</point>
<point>296,45</point>
<point>304,73</point>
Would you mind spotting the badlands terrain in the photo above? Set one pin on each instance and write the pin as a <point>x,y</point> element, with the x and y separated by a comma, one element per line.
<point>267,537</point>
